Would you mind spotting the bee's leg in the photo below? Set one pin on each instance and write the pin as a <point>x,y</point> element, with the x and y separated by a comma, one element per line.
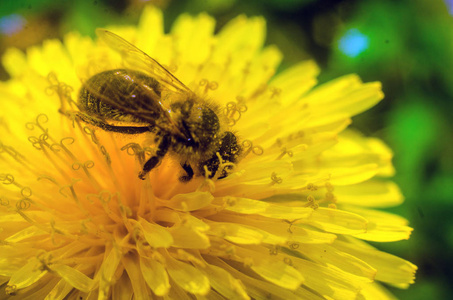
<point>162,149</point>
<point>229,151</point>
<point>107,127</point>
<point>189,171</point>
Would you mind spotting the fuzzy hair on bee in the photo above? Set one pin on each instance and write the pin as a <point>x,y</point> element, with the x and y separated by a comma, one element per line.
<point>146,98</point>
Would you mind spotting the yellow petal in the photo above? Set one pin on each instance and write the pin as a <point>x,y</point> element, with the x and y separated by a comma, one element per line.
<point>225,284</point>
<point>155,235</point>
<point>106,271</point>
<point>371,193</point>
<point>74,277</point>
<point>336,221</point>
<point>331,256</point>
<point>328,282</point>
<point>155,276</point>
<point>273,270</point>
<point>30,273</point>
<point>12,258</point>
<point>24,234</point>
<point>122,288</point>
<point>59,291</point>
<point>194,37</point>
<point>189,234</point>
<point>188,277</point>
<point>132,265</point>
<point>390,269</point>
<point>296,81</point>
<point>189,201</point>
<point>151,27</point>
<point>250,206</point>
<point>375,291</point>
<point>14,62</point>
<point>241,234</point>
<point>382,226</point>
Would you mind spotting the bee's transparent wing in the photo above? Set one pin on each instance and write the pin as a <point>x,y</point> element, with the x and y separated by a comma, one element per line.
<point>126,96</point>
<point>139,60</point>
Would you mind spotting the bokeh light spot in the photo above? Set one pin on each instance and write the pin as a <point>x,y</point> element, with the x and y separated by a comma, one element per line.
<point>11,24</point>
<point>449,4</point>
<point>353,43</point>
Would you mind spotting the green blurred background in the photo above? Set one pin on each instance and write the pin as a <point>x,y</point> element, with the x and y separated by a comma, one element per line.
<point>407,45</point>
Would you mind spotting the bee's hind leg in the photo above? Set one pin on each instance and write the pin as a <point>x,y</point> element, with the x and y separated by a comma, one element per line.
<point>107,127</point>
<point>152,162</point>
<point>189,171</point>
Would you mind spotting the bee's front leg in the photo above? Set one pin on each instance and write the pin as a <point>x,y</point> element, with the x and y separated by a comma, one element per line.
<point>152,162</point>
<point>189,171</point>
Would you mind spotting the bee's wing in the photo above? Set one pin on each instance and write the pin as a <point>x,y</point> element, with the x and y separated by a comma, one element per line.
<point>138,59</point>
<point>125,95</point>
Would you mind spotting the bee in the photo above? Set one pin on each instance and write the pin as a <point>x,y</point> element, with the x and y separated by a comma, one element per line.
<point>148,97</point>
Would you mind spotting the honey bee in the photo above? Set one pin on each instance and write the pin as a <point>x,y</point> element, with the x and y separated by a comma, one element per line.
<point>148,97</point>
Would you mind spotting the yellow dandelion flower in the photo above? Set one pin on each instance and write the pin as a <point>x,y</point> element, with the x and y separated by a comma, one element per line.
<point>286,219</point>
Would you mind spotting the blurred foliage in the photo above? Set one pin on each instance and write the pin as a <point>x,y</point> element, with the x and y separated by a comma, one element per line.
<point>407,45</point>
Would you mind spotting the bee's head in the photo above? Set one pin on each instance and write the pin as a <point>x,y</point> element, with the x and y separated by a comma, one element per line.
<point>198,123</point>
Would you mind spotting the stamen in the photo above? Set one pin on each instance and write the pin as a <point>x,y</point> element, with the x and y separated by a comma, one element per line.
<point>311,202</point>
<point>275,179</point>
<point>248,145</point>
<point>26,192</point>
<point>106,155</point>
<point>92,133</point>
<point>18,157</point>
<point>4,202</point>
<point>7,178</point>
<point>63,91</point>
<point>246,69</point>
<point>40,120</point>
<point>125,212</point>
<point>275,92</point>
<point>208,85</point>
<point>233,111</point>
<point>288,261</point>
<point>207,182</point>
<point>104,197</point>
<point>213,85</point>
<point>330,197</point>
<point>66,141</point>
<point>135,149</point>
<point>89,164</point>
<point>73,194</point>
<point>260,90</point>
<point>40,142</point>
<point>51,179</point>
<point>329,187</point>
<point>23,204</point>
<point>294,245</point>
<point>284,152</point>
<point>273,250</point>
<point>223,166</point>
<point>311,187</point>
